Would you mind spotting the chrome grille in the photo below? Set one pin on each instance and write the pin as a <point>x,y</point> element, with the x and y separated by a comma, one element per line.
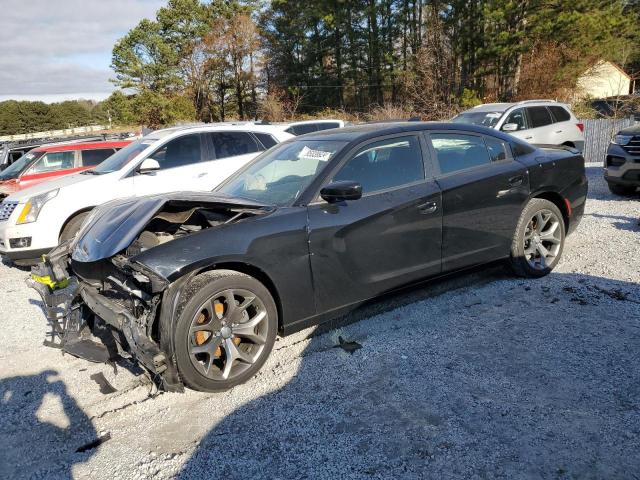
<point>633,147</point>
<point>6,209</point>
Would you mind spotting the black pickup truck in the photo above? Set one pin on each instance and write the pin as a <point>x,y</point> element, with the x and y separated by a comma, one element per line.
<point>197,286</point>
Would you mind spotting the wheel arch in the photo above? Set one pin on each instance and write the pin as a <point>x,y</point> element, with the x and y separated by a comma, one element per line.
<point>255,272</point>
<point>72,216</point>
<point>558,201</point>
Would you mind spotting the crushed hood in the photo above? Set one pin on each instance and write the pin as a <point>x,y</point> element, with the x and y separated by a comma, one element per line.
<point>112,227</point>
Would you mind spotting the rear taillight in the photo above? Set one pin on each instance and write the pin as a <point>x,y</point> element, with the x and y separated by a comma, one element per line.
<point>580,127</point>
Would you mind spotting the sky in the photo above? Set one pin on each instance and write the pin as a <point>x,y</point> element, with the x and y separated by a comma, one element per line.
<point>54,50</point>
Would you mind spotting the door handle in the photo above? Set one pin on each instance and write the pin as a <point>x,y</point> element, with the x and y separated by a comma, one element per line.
<point>200,175</point>
<point>427,208</point>
<point>558,131</point>
<point>516,181</point>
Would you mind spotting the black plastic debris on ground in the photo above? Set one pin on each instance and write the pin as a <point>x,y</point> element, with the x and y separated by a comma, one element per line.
<point>105,387</point>
<point>348,346</point>
<point>94,444</point>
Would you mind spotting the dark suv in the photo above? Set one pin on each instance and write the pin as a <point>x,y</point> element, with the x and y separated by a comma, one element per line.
<point>622,163</point>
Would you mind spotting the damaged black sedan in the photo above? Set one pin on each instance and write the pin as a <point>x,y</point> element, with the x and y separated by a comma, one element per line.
<point>195,287</point>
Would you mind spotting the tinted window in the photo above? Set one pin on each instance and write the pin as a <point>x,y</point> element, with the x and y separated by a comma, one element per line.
<point>458,151</point>
<point>91,158</point>
<point>302,129</point>
<point>328,125</point>
<point>560,114</point>
<point>54,161</point>
<point>267,140</point>
<point>386,164</point>
<point>179,152</point>
<point>231,144</point>
<point>539,116</point>
<point>517,117</point>
<point>497,149</point>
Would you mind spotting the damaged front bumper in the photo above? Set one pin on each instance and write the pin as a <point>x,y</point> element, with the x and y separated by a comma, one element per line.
<point>88,325</point>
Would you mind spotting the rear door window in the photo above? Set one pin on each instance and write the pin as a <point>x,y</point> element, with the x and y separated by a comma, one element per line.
<point>560,114</point>
<point>539,117</point>
<point>53,161</point>
<point>179,152</point>
<point>457,151</point>
<point>232,144</point>
<point>267,140</point>
<point>91,158</point>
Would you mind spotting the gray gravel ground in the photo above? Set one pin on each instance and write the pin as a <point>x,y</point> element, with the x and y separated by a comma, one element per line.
<point>479,376</point>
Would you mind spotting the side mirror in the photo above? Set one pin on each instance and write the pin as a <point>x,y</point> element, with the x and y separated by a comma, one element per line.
<point>341,190</point>
<point>149,165</point>
<point>510,127</point>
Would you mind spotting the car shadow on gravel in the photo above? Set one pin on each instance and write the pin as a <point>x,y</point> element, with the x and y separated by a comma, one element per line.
<point>508,378</point>
<point>630,224</point>
<point>41,427</point>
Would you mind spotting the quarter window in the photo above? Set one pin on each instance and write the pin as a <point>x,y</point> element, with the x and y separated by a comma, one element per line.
<point>560,114</point>
<point>458,151</point>
<point>231,144</point>
<point>91,158</point>
<point>497,149</point>
<point>179,152</point>
<point>385,164</point>
<point>539,116</point>
<point>517,117</point>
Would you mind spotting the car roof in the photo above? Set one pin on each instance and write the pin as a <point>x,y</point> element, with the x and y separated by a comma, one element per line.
<point>214,127</point>
<point>82,146</point>
<point>362,132</point>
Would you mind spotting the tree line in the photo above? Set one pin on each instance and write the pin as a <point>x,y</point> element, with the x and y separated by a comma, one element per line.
<point>238,59</point>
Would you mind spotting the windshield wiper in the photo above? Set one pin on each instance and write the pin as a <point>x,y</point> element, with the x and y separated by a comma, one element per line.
<point>91,172</point>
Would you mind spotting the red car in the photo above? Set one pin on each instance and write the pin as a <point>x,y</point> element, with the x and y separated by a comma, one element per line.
<point>55,160</point>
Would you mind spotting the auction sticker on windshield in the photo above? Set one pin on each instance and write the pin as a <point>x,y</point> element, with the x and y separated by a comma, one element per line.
<point>309,154</point>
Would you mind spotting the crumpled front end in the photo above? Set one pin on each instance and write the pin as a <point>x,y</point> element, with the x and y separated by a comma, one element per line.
<point>102,310</point>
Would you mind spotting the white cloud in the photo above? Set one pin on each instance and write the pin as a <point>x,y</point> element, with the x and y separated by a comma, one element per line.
<point>63,47</point>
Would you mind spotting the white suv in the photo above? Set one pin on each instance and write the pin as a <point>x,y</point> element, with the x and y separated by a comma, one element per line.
<point>35,220</point>
<point>535,121</point>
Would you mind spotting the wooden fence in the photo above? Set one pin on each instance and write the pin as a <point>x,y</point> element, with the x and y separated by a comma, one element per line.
<point>598,133</point>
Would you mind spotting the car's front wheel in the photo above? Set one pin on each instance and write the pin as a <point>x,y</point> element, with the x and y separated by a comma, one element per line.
<point>622,190</point>
<point>226,328</point>
<point>539,239</point>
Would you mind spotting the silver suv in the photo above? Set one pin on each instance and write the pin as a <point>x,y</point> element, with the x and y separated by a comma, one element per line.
<point>535,121</point>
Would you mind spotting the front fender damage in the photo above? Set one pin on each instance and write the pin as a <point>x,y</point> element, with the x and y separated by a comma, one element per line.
<point>89,325</point>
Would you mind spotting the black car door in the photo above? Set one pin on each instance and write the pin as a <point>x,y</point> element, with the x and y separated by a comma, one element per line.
<point>389,237</point>
<point>483,192</point>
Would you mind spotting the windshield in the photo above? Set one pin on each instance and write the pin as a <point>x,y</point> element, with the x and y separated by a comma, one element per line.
<point>485,119</point>
<point>282,173</point>
<point>19,166</point>
<point>119,159</point>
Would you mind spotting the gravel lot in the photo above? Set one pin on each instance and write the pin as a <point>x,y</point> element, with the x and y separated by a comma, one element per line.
<point>480,376</point>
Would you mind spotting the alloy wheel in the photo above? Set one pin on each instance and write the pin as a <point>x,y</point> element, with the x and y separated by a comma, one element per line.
<point>227,334</point>
<point>542,239</point>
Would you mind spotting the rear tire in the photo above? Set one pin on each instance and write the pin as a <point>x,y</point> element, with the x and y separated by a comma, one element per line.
<point>73,226</point>
<point>621,190</point>
<point>217,346</point>
<point>538,240</point>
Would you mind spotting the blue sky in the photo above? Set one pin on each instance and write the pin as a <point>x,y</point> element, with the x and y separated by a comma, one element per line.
<point>55,50</point>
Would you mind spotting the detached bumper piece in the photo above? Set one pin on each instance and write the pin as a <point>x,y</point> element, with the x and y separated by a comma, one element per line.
<point>68,332</point>
<point>88,325</point>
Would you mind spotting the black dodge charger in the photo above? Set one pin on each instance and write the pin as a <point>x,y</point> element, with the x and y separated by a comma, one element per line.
<point>196,286</point>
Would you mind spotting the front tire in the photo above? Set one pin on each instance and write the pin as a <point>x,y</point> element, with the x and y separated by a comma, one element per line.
<point>538,240</point>
<point>621,190</point>
<point>226,327</point>
<point>73,226</point>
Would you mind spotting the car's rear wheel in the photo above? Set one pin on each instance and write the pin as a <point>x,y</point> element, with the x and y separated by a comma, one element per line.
<point>622,190</point>
<point>539,239</point>
<point>226,328</point>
